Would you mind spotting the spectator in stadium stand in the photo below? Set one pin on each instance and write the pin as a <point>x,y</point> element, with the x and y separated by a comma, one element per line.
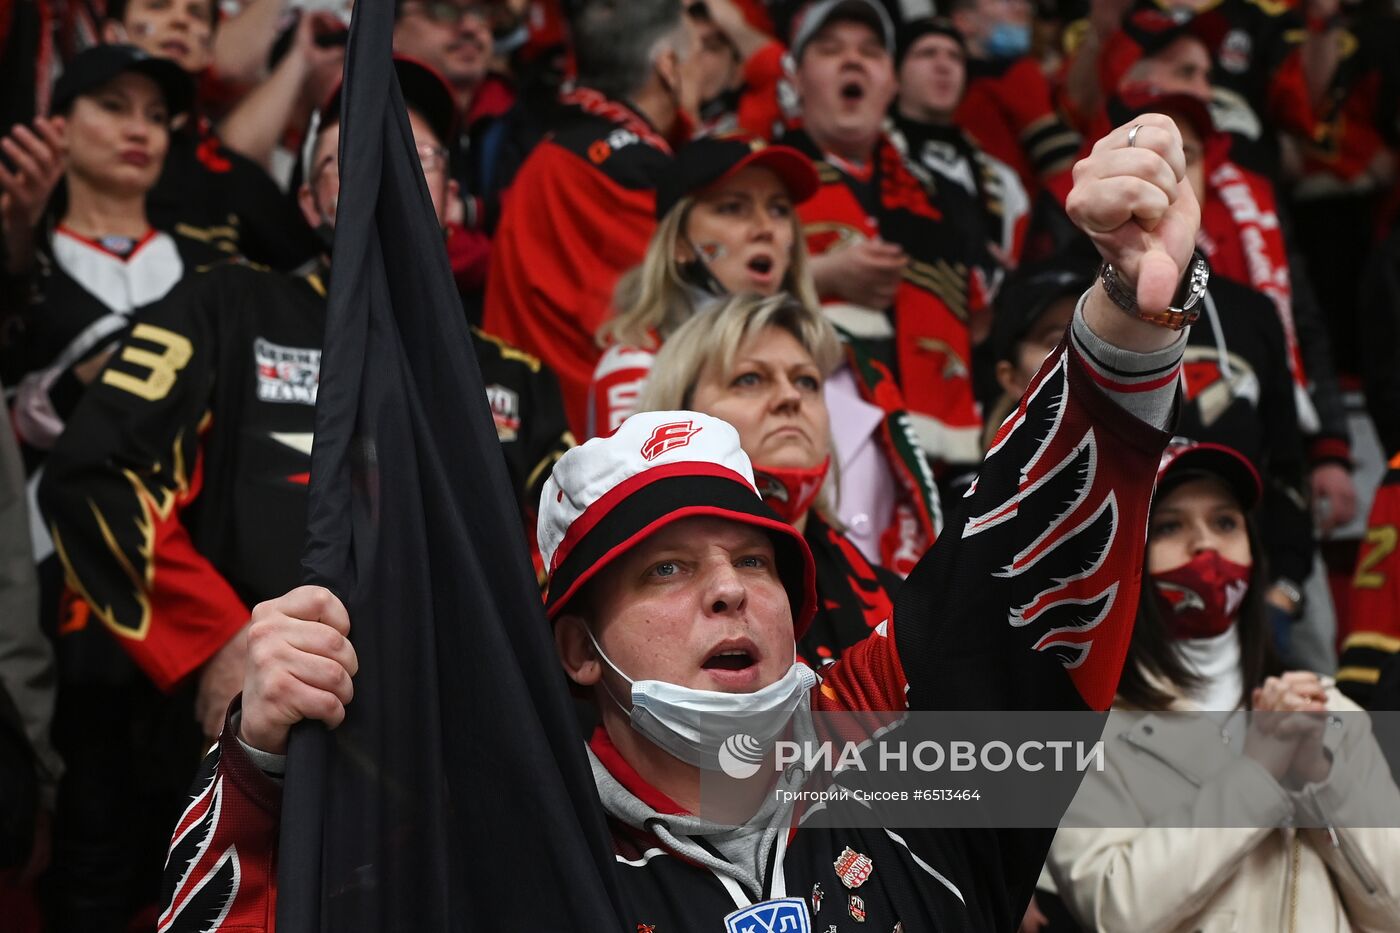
<point>760,364</point>
<point>729,226</point>
<point>1268,71</point>
<point>726,224</point>
<point>1201,644</point>
<point>454,37</point>
<point>189,461</point>
<point>1372,642</point>
<point>1007,107</point>
<point>890,268</point>
<point>582,206</point>
<point>982,195</point>
<point>209,190</point>
<point>1033,308</point>
<point>1371,639</point>
<point>739,67</point>
<point>102,261</point>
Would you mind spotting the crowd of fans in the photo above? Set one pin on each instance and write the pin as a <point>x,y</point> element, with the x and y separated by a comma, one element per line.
<point>839,226</point>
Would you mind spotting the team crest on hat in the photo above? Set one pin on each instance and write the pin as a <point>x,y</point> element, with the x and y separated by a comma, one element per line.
<point>787,914</point>
<point>668,436</point>
<point>856,908</point>
<point>853,868</point>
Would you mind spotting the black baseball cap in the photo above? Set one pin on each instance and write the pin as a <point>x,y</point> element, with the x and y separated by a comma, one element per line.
<point>1185,459</point>
<point>1029,292</point>
<point>814,17</point>
<point>911,32</point>
<point>709,159</point>
<point>98,65</point>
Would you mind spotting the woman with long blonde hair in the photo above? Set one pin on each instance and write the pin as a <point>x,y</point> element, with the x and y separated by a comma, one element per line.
<point>728,227</point>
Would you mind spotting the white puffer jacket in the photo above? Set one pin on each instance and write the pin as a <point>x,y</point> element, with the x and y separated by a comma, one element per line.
<point>1166,772</point>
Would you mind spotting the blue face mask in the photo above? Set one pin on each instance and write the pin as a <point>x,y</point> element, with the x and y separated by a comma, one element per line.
<point>1008,40</point>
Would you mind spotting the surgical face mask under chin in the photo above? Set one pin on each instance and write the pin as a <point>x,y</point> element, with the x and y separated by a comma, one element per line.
<point>693,724</point>
<point>1008,40</point>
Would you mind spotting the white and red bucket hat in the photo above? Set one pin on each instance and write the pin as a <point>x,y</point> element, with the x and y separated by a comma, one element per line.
<point>609,494</point>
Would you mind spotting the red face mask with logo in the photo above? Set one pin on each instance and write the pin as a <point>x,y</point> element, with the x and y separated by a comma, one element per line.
<point>1199,599</point>
<point>790,491</point>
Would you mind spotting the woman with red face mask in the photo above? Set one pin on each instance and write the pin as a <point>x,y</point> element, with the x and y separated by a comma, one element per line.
<point>1204,806</point>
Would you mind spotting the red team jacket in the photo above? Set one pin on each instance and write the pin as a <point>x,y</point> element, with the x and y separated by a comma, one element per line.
<point>1051,536</point>
<point>578,215</point>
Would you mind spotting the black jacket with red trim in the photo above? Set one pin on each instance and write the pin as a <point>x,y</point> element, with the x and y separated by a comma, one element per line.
<point>579,214</point>
<point>177,497</point>
<point>853,595</point>
<point>1373,638</point>
<point>1239,392</point>
<point>1025,603</point>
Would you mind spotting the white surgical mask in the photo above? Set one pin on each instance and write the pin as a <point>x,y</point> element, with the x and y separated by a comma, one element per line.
<point>692,724</point>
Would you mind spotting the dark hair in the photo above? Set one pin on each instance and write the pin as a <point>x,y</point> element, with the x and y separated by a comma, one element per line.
<point>1152,657</point>
<point>116,12</point>
<point>614,40</point>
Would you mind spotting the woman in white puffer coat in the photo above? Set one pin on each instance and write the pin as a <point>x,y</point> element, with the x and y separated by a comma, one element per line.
<point>1192,815</point>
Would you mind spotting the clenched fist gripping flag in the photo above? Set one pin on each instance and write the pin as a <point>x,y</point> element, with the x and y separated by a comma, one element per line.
<point>456,796</point>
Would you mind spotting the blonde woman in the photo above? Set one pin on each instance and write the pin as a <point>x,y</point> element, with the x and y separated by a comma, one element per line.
<point>761,364</point>
<point>728,227</point>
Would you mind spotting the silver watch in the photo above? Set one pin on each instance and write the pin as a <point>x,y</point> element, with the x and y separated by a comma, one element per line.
<point>1186,304</point>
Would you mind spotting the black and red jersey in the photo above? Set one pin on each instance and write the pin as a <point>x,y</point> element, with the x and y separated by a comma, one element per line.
<point>1237,391</point>
<point>177,497</point>
<point>1026,602</point>
<point>579,214</point>
<point>1373,630</point>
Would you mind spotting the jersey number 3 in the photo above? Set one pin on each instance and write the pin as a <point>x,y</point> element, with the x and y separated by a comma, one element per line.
<point>160,367</point>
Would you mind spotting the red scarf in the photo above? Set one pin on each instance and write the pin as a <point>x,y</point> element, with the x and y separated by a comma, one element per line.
<point>931,308</point>
<point>1242,238</point>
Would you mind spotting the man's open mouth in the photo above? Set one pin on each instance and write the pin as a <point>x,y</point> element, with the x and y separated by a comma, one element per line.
<point>733,659</point>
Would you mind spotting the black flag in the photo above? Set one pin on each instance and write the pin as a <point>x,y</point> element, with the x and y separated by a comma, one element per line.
<point>457,794</point>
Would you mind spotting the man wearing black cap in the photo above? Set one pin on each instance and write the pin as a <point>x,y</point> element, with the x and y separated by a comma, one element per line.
<point>676,597</point>
<point>974,189</point>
